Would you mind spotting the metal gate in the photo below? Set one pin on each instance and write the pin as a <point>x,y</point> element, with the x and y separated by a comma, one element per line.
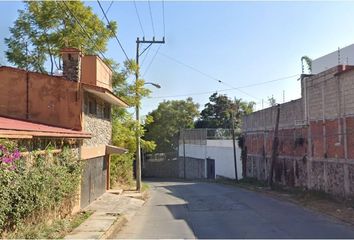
<point>94,180</point>
<point>210,168</point>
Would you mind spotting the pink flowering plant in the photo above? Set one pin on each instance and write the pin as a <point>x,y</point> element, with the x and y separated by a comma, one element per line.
<point>29,191</point>
<point>9,158</point>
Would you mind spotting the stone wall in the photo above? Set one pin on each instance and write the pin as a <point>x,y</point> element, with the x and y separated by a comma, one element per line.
<point>96,124</point>
<point>316,137</point>
<point>72,64</point>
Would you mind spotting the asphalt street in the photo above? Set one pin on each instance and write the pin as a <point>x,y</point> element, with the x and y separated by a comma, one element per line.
<point>180,209</point>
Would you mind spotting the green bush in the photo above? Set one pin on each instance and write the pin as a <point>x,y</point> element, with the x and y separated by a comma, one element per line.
<point>34,189</point>
<point>122,169</point>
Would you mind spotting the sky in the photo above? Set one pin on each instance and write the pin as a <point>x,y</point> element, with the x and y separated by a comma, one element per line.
<point>214,45</point>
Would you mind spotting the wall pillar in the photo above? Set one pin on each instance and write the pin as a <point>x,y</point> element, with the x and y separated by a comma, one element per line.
<point>346,179</point>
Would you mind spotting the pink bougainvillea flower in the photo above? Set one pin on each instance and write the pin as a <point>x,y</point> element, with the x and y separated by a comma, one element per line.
<point>7,160</point>
<point>16,154</point>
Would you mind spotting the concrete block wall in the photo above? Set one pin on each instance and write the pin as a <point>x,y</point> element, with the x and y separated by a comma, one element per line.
<point>170,166</point>
<point>195,168</point>
<point>265,119</point>
<point>163,169</point>
<point>317,152</point>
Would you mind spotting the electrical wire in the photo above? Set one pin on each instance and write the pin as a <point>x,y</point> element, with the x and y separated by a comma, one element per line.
<point>115,35</point>
<point>212,77</point>
<point>152,60</point>
<point>145,56</point>
<point>228,89</point>
<point>82,28</point>
<point>137,14</point>
<point>109,7</point>
<point>163,17</point>
<point>152,20</point>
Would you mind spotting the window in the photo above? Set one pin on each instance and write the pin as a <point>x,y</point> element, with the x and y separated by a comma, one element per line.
<point>92,106</point>
<point>107,111</point>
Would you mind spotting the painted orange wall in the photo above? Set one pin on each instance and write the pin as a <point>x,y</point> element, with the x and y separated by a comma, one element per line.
<point>95,72</point>
<point>52,100</point>
<point>12,93</point>
<point>88,70</point>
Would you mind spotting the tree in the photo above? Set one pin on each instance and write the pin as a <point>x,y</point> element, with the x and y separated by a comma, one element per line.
<point>169,118</point>
<point>308,63</point>
<point>272,102</point>
<point>124,125</point>
<point>219,111</point>
<point>45,27</point>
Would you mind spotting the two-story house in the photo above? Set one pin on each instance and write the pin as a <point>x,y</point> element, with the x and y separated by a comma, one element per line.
<point>76,105</point>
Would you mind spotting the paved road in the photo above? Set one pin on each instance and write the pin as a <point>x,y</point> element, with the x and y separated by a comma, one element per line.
<point>207,210</point>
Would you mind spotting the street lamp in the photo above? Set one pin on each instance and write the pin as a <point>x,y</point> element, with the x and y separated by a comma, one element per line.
<point>138,153</point>
<point>153,84</point>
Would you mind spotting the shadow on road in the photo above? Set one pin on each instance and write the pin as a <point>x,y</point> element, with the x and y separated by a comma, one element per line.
<point>217,211</point>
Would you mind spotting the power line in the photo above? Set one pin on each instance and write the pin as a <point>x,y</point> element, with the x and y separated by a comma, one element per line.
<point>152,60</point>
<point>228,89</point>
<point>145,56</point>
<point>82,28</point>
<point>190,67</point>
<point>163,17</point>
<point>115,35</point>
<point>152,20</point>
<point>109,7</point>
<point>207,75</point>
<point>137,13</point>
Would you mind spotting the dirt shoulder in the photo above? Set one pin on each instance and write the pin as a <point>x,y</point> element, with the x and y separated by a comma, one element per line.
<point>341,209</point>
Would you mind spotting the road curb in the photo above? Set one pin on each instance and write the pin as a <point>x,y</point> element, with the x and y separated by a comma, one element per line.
<point>115,227</point>
<point>111,213</point>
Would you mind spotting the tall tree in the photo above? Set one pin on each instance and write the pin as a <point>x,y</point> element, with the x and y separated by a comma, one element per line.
<point>169,118</point>
<point>45,27</point>
<point>218,112</point>
<point>124,125</point>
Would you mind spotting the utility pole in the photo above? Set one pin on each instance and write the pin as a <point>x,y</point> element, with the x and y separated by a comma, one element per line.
<point>234,143</point>
<point>138,153</point>
<point>274,148</point>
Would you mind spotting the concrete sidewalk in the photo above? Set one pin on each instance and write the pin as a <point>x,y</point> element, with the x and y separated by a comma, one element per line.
<point>111,211</point>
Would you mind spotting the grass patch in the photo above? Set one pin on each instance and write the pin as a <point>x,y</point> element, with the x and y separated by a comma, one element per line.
<point>145,187</point>
<point>58,229</point>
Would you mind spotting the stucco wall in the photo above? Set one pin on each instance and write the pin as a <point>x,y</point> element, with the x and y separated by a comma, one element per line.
<point>96,72</point>
<point>51,100</point>
<point>219,150</point>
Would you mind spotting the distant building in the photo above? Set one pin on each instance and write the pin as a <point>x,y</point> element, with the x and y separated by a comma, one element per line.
<point>74,106</point>
<point>343,56</point>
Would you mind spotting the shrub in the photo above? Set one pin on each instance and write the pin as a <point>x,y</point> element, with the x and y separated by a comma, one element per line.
<point>122,169</point>
<point>31,190</point>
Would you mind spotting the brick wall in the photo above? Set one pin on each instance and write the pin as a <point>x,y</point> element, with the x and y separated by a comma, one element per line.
<point>316,135</point>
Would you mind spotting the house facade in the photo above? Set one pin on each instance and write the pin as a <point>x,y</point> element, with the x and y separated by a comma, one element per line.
<point>79,102</point>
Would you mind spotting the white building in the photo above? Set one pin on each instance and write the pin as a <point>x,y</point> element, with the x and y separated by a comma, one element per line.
<point>343,56</point>
<point>219,150</point>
